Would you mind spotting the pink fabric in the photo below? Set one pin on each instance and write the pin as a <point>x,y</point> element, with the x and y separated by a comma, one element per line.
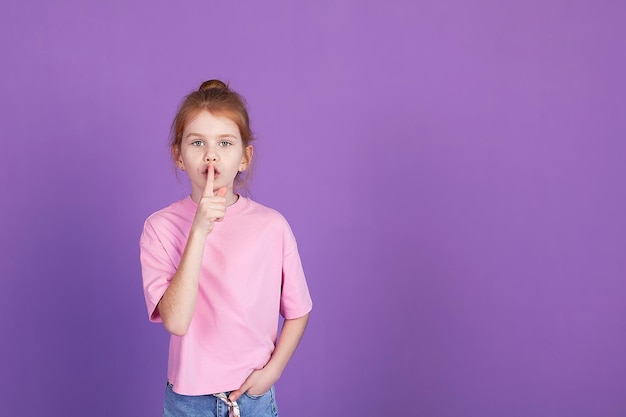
<point>251,272</point>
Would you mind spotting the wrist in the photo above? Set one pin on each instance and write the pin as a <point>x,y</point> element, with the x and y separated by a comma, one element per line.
<point>197,236</point>
<point>274,370</point>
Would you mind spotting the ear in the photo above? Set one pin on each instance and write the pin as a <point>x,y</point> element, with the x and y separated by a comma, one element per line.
<point>178,159</point>
<point>246,158</point>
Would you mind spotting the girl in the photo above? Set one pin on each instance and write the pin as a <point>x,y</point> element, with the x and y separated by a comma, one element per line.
<point>219,268</point>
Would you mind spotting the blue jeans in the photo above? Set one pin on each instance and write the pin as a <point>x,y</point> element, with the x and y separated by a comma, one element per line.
<point>177,405</point>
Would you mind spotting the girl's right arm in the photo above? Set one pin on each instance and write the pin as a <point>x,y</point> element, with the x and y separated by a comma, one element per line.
<point>178,303</point>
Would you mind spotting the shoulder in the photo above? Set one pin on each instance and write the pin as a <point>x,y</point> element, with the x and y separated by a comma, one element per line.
<point>173,216</point>
<point>261,211</point>
<point>269,219</point>
<point>174,211</point>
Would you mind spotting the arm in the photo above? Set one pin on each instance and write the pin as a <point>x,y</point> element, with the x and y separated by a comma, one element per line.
<point>261,380</point>
<point>178,303</point>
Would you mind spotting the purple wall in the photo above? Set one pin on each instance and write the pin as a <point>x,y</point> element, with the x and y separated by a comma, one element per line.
<point>454,172</point>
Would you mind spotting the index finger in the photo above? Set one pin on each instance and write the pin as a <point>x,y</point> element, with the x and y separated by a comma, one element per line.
<point>210,178</point>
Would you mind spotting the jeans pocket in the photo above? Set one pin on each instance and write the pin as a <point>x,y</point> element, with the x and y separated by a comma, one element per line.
<point>257,397</point>
<point>254,397</point>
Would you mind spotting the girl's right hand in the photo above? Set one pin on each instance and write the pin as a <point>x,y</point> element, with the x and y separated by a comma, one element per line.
<point>211,207</point>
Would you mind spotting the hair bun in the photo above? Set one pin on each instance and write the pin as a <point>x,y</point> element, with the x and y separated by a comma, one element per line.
<point>207,85</point>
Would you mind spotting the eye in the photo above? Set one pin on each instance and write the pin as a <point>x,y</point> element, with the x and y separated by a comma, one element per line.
<point>197,143</point>
<point>225,144</point>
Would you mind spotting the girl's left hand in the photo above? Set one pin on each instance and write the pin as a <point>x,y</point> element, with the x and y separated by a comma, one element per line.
<point>258,383</point>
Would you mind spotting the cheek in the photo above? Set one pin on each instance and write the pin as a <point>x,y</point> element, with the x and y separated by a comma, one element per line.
<point>190,153</point>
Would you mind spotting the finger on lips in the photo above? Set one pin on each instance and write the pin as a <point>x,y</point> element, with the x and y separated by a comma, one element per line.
<point>210,179</point>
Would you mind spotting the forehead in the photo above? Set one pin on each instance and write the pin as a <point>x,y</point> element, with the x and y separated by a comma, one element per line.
<point>205,123</point>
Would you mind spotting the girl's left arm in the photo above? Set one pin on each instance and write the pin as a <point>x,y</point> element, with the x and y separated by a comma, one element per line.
<point>261,380</point>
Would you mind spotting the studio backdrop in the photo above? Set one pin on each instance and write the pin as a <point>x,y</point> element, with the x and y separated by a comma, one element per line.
<point>453,172</point>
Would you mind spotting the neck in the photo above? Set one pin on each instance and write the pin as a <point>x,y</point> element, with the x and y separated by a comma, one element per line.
<point>231,198</point>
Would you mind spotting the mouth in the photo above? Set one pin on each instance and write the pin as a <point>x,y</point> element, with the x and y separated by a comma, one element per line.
<point>205,171</point>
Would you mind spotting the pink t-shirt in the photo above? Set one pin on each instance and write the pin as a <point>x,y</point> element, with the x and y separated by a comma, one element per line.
<point>251,272</point>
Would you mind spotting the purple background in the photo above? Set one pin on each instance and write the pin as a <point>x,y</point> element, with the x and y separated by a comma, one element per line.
<point>454,173</point>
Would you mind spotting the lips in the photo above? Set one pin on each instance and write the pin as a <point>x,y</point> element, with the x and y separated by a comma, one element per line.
<point>205,172</point>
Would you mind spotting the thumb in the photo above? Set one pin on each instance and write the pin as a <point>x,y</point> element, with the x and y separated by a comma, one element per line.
<point>222,192</point>
<point>234,396</point>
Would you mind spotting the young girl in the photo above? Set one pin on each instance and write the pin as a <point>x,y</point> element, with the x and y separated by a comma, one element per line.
<point>219,268</point>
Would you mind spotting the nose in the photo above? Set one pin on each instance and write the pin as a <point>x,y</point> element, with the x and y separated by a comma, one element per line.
<point>210,156</point>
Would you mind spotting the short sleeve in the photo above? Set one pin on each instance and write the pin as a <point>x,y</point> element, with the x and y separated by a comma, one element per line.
<point>295,298</point>
<point>157,269</point>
